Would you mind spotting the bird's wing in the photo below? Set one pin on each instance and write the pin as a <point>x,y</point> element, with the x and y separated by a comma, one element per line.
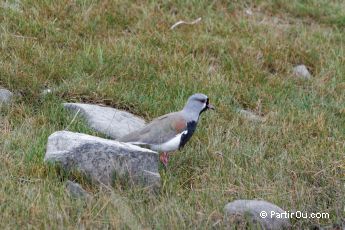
<point>158,131</point>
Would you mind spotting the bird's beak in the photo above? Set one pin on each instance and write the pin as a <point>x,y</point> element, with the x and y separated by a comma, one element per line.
<point>210,106</point>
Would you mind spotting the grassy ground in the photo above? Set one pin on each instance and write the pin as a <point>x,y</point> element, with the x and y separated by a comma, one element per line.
<point>123,54</point>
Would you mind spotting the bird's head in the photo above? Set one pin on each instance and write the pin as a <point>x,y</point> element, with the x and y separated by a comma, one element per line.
<point>198,103</point>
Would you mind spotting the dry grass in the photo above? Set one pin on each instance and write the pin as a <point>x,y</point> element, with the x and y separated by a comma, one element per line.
<point>122,53</point>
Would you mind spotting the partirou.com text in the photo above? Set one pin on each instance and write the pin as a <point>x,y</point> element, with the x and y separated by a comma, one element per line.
<point>296,214</point>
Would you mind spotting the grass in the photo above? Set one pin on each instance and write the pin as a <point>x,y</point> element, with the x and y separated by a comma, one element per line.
<point>122,53</point>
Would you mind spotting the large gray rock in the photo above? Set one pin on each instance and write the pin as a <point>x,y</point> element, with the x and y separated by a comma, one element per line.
<point>241,213</point>
<point>104,160</point>
<point>301,71</point>
<point>109,121</point>
<point>5,96</point>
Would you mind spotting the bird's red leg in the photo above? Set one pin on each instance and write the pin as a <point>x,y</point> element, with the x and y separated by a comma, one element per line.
<point>164,158</point>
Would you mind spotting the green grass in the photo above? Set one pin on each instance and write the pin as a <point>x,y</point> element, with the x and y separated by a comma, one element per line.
<point>123,54</point>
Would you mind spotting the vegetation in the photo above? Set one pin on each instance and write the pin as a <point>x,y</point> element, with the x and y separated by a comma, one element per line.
<point>123,54</point>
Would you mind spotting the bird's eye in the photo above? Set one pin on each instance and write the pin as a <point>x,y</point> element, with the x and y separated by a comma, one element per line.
<point>202,100</point>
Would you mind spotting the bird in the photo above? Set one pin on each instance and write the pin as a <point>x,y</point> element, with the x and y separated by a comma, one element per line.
<point>171,131</point>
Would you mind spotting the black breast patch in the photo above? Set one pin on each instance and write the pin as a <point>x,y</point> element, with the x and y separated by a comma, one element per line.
<point>191,126</point>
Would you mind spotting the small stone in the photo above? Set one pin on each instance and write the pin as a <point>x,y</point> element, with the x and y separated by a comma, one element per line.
<point>212,70</point>
<point>249,12</point>
<point>46,92</point>
<point>109,121</point>
<point>5,96</point>
<point>76,191</point>
<point>12,5</point>
<point>255,213</point>
<point>301,71</point>
<point>104,161</point>
<point>251,116</point>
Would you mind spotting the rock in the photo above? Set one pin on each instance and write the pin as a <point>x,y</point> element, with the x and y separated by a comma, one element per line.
<point>109,121</point>
<point>12,5</point>
<point>249,12</point>
<point>46,92</point>
<point>103,161</point>
<point>212,70</point>
<point>301,71</point>
<point>5,96</point>
<point>76,191</point>
<point>249,115</point>
<point>242,213</point>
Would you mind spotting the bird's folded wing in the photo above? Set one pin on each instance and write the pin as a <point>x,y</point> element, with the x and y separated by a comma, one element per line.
<point>159,131</point>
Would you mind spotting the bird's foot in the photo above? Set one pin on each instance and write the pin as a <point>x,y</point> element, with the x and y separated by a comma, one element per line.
<point>164,158</point>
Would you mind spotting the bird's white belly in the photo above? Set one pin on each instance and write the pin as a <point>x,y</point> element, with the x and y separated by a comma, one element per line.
<point>169,146</point>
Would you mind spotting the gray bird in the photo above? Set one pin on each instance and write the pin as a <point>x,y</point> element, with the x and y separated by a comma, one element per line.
<point>171,131</point>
